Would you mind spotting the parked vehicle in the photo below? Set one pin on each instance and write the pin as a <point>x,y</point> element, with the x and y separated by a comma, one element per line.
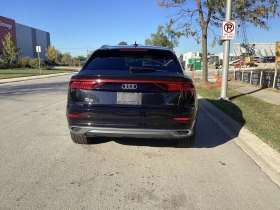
<point>268,59</point>
<point>132,91</point>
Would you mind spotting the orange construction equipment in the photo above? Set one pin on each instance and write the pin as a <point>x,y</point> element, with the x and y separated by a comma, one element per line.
<point>216,74</point>
<point>193,74</point>
<point>215,85</point>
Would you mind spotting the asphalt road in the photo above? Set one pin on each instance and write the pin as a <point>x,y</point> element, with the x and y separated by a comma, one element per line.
<point>40,167</point>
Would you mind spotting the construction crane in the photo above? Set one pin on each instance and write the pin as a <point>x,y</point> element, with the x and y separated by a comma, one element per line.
<point>250,50</point>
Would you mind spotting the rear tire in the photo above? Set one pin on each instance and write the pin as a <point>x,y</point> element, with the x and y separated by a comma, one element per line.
<point>187,142</point>
<point>80,139</point>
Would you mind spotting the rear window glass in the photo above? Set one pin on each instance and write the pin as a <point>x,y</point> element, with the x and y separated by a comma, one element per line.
<point>124,60</point>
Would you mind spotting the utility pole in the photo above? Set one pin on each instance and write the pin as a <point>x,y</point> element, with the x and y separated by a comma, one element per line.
<point>224,86</point>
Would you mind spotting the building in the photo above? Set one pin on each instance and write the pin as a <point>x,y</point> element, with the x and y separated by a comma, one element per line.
<point>259,49</point>
<point>24,37</point>
<point>188,55</point>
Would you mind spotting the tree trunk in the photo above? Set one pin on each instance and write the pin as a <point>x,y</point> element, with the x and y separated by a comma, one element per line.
<point>204,55</point>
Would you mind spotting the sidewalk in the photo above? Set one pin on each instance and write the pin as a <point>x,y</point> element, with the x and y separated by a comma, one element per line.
<point>257,92</point>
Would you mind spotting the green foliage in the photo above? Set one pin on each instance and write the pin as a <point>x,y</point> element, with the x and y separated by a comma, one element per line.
<point>122,43</point>
<point>243,108</point>
<point>189,20</point>
<point>51,53</point>
<point>4,57</point>
<point>24,62</point>
<point>66,59</point>
<point>10,49</point>
<point>34,63</point>
<point>196,19</point>
<point>90,53</point>
<point>164,37</point>
<point>16,73</point>
<point>81,58</point>
<point>3,66</point>
<point>59,56</point>
<point>9,65</point>
<point>76,62</point>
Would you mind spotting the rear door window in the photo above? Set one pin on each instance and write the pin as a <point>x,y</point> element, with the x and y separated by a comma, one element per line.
<point>124,59</point>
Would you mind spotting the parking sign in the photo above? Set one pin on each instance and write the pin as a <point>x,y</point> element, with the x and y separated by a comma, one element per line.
<point>38,48</point>
<point>228,30</point>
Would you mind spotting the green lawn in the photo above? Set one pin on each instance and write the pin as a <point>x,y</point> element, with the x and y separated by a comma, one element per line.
<point>261,118</point>
<point>14,73</point>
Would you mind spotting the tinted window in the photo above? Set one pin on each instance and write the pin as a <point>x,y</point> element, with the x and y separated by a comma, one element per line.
<point>124,60</point>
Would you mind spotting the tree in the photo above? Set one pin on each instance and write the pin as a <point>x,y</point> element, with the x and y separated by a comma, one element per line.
<point>164,37</point>
<point>59,56</point>
<point>11,51</point>
<point>76,62</point>
<point>122,43</point>
<point>66,59</point>
<point>197,21</point>
<point>5,57</point>
<point>51,53</point>
<point>81,58</point>
<point>89,54</point>
<point>34,63</point>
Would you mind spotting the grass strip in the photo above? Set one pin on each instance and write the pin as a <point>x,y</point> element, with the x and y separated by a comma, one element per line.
<point>15,73</point>
<point>258,116</point>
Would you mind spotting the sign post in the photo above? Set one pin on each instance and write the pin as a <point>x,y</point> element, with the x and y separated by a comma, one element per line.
<point>277,62</point>
<point>38,50</point>
<point>228,33</point>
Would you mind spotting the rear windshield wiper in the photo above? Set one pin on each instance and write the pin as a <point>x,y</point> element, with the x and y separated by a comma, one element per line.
<point>144,69</point>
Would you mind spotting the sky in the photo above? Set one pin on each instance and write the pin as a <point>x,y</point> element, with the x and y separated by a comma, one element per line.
<point>76,26</point>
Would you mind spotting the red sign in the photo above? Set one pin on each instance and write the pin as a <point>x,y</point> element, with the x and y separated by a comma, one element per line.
<point>7,25</point>
<point>229,27</point>
<point>228,30</point>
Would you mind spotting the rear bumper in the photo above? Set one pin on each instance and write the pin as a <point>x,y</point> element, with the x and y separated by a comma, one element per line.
<point>131,132</point>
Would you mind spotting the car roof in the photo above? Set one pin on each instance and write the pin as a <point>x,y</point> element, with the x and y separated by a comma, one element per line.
<point>138,47</point>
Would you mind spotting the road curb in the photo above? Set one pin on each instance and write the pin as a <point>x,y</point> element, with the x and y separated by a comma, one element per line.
<point>262,154</point>
<point>19,79</point>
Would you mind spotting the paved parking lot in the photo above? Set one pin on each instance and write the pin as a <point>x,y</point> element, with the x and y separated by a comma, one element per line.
<point>40,167</point>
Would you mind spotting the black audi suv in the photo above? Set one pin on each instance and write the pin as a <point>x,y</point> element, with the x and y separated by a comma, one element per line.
<point>132,91</point>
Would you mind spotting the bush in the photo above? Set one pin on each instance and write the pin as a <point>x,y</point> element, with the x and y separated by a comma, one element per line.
<point>34,63</point>
<point>24,62</point>
<point>47,67</point>
<point>3,66</point>
<point>9,66</point>
<point>49,63</point>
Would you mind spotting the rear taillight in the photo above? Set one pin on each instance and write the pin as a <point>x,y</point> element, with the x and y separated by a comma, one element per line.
<point>84,84</point>
<point>182,119</point>
<point>75,115</point>
<point>181,86</point>
<point>170,86</point>
<point>176,86</point>
<point>81,85</point>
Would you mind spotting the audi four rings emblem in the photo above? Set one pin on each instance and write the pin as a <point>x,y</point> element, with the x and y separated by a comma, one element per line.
<point>129,86</point>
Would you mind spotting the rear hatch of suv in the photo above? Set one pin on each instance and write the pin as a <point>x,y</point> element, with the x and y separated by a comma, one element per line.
<point>132,87</point>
